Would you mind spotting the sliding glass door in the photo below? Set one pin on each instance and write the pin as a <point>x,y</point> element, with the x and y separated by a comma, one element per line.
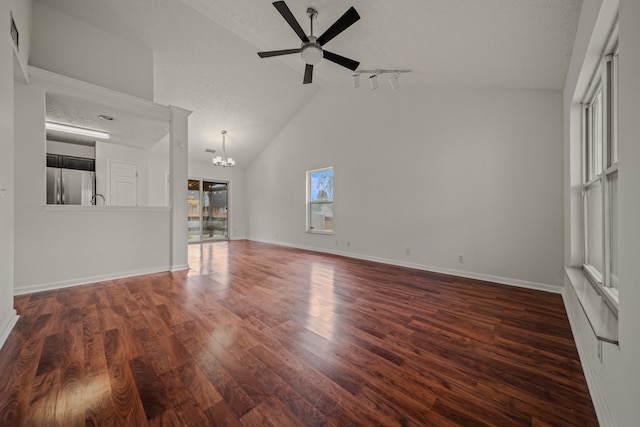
<point>214,211</point>
<point>208,210</point>
<point>194,220</point>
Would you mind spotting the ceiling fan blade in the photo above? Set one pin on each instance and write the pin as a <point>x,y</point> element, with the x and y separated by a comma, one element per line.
<point>308,74</point>
<point>340,60</point>
<point>344,22</point>
<point>278,52</point>
<point>288,16</point>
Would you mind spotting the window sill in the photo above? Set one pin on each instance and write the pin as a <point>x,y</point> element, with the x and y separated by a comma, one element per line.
<point>602,318</point>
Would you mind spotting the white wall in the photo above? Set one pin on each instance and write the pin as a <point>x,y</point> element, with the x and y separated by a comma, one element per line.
<point>236,179</point>
<point>22,16</point>
<point>441,172</point>
<point>73,245</point>
<point>614,380</point>
<point>625,390</point>
<point>158,174</point>
<point>7,313</point>
<point>70,47</point>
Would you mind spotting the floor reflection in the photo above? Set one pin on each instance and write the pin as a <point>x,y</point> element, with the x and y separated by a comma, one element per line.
<point>208,258</point>
<point>322,301</point>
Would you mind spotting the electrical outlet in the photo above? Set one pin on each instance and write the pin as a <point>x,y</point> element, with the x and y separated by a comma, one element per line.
<point>460,259</point>
<point>348,244</point>
<point>336,243</point>
<point>407,251</point>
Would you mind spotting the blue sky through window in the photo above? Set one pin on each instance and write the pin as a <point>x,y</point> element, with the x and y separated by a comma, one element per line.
<point>322,180</point>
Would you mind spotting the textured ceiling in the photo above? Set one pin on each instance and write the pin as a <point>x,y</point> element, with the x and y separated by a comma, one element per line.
<point>205,53</point>
<point>125,129</point>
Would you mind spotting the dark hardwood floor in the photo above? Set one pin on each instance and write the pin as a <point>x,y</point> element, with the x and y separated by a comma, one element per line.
<point>256,334</point>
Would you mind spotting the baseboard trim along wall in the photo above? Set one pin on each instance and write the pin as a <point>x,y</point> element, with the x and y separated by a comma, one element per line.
<point>466,274</point>
<point>180,267</point>
<point>8,327</point>
<point>87,280</point>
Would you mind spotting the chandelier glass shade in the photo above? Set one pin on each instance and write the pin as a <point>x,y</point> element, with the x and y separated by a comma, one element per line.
<point>223,160</point>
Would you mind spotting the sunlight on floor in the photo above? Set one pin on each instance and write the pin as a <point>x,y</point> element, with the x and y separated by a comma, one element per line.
<point>322,317</point>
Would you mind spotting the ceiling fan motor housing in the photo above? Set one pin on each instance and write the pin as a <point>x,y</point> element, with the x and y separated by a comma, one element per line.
<point>311,52</point>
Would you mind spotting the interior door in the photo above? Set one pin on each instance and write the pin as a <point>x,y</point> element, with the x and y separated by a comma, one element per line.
<point>123,183</point>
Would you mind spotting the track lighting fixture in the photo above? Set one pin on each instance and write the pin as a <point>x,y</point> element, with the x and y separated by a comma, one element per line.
<point>394,80</point>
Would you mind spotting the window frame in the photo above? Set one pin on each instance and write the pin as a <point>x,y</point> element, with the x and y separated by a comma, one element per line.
<point>309,174</point>
<point>605,85</point>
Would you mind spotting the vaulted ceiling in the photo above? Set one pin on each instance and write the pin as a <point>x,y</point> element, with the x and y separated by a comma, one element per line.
<point>205,53</point>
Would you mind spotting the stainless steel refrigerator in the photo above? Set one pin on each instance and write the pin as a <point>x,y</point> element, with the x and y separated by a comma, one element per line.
<point>70,186</point>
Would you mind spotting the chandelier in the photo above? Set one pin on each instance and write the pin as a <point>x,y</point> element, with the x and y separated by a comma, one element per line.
<point>223,160</point>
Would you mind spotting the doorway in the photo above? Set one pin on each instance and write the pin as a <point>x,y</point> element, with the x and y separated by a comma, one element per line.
<point>208,210</point>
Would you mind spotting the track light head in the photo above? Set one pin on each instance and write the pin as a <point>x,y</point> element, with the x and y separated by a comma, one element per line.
<point>373,81</point>
<point>356,80</point>
<point>393,80</point>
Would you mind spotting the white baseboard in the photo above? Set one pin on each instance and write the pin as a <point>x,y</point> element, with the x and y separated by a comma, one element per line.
<point>86,280</point>
<point>459,273</point>
<point>6,329</point>
<point>179,267</point>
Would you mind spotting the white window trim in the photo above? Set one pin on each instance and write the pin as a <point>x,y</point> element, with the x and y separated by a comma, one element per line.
<point>604,281</point>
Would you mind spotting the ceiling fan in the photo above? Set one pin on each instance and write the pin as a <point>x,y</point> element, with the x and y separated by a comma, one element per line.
<point>311,48</point>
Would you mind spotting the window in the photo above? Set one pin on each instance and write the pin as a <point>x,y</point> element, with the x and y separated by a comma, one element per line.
<point>600,180</point>
<point>320,201</point>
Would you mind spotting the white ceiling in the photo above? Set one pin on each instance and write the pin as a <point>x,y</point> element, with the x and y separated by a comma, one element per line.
<point>136,131</point>
<point>205,53</point>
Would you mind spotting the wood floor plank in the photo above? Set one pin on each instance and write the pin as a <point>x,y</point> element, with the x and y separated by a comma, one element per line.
<point>70,403</point>
<point>235,398</point>
<point>125,399</point>
<point>262,335</point>
<point>271,412</point>
<point>99,409</point>
<point>150,388</point>
<point>42,407</point>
